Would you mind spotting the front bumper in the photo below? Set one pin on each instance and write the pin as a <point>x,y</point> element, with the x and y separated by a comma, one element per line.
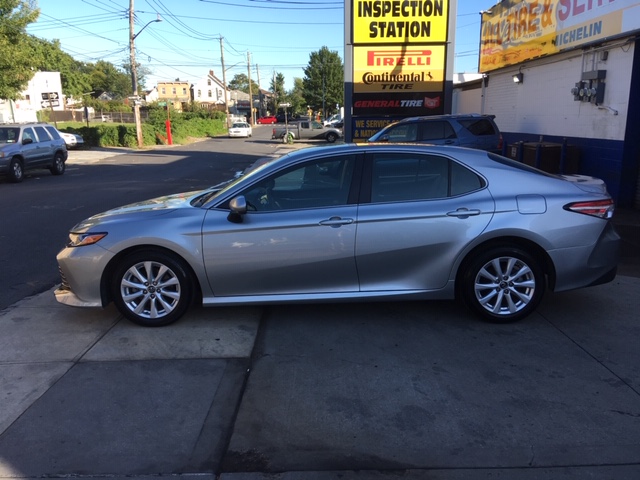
<point>81,271</point>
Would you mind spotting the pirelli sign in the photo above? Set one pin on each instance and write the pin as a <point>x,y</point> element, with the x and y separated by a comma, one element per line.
<point>399,60</point>
<point>398,70</point>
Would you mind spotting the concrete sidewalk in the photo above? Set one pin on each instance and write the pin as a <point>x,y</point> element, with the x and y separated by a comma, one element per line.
<point>335,391</point>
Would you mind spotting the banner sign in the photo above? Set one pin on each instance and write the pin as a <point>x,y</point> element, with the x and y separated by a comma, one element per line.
<point>365,127</point>
<point>398,70</point>
<point>400,21</point>
<point>406,104</point>
<point>514,31</point>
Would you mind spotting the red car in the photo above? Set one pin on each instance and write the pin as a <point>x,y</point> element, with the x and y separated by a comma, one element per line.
<point>267,120</point>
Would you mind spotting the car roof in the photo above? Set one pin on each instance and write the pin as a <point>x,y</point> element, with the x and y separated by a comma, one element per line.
<point>451,116</point>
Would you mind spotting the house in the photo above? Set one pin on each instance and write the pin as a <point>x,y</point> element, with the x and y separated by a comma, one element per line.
<point>151,96</point>
<point>209,91</point>
<point>43,91</point>
<point>178,93</point>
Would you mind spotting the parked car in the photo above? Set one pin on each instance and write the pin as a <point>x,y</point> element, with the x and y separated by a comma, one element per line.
<point>267,120</point>
<point>72,140</point>
<point>240,129</point>
<point>332,120</point>
<point>290,117</point>
<point>472,131</point>
<point>306,129</point>
<point>27,146</point>
<point>350,222</point>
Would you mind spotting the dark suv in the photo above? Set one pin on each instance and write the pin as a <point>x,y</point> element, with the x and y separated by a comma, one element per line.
<point>28,146</point>
<point>471,130</point>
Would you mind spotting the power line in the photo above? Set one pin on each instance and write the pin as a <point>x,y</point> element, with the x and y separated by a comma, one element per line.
<point>322,7</point>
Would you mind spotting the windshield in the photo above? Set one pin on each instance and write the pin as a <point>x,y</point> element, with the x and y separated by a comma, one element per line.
<point>9,134</point>
<point>221,188</point>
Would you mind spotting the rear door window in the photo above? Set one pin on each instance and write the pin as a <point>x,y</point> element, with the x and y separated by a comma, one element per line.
<point>43,136</point>
<point>53,132</point>
<point>437,130</point>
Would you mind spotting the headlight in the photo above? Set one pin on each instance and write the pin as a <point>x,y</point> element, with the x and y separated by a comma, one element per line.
<point>84,239</point>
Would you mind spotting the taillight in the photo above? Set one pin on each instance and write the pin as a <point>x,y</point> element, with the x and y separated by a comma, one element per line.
<point>500,143</point>
<point>597,208</point>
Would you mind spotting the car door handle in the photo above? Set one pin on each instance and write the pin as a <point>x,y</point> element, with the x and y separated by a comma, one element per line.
<point>463,213</point>
<point>336,221</point>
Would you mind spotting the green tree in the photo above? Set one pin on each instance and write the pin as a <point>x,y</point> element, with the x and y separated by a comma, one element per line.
<point>51,58</point>
<point>142,73</point>
<point>277,87</point>
<point>240,82</point>
<point>324,81</point>
<point>295,97</point>
<point>106,77</point>
<point>18,55</point>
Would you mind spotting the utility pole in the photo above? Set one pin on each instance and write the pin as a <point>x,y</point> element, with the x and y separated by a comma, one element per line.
<point>224,81</point>
<point>134,75</point>
<point>259,90</point>
<point>275,95</point>
<point>250,94</point>
<point>134,71</point>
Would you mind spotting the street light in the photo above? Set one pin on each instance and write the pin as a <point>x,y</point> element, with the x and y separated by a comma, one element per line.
<point>134,73</point>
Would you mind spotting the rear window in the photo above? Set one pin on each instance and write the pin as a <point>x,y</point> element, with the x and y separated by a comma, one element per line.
<point>515,164</point>
<point>478,126</point>
<point>53,132</point>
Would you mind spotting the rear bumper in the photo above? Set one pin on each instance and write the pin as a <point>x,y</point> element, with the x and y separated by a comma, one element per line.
<point>588,266</point>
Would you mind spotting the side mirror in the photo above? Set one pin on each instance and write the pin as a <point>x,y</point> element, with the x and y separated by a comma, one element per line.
<point>238,207</point>
<point>27,141</point>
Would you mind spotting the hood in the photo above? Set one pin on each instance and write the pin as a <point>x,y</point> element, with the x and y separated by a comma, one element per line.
<point>146,208</point>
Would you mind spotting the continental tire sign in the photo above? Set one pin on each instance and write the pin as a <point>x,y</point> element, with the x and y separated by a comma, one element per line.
<point>398,70</point>
<point>400,21</point>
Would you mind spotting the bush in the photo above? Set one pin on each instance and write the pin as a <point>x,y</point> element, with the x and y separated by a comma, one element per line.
<point>197,123</point>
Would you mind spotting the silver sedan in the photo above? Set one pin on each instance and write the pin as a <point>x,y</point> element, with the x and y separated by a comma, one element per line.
<point>350,222</point>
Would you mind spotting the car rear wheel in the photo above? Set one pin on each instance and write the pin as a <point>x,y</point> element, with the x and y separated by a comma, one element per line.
<point>503,284</point>
<point>152,288</point>
<point>58,166</point>
<point>16,170</point>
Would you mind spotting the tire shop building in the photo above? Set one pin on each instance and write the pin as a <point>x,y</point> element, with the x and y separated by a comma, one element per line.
<point>562,78</point>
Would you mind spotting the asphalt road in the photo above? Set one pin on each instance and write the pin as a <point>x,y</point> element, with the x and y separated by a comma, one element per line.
<point>38,213</point>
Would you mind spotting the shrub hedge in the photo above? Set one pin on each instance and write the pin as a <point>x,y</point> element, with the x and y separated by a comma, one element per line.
<point>154,132</point>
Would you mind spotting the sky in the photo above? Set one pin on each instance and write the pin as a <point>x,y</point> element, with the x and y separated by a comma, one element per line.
<point>276,35</point>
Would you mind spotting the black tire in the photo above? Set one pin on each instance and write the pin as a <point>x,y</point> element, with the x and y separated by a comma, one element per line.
<point>152,288</point>
<point>58,165</point>
<point>503,284</point>
<point>331,137</point>
<point>16,170</point>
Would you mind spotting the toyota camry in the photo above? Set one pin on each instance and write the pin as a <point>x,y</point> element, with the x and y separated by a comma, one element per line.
<point>350,222</point>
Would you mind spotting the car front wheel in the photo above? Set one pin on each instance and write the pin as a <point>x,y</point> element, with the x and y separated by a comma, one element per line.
<point>331,137</point>
<point>503,284</point>
<point>152,288</point>
<point>58,166</point>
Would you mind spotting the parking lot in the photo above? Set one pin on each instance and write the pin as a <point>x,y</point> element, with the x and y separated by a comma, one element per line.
<point>328,388</point>
<point>357,390</point>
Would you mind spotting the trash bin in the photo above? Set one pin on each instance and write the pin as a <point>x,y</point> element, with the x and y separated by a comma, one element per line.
<point>548,157</point>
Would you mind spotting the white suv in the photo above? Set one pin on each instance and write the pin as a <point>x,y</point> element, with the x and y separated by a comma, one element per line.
<point>28,146</point>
